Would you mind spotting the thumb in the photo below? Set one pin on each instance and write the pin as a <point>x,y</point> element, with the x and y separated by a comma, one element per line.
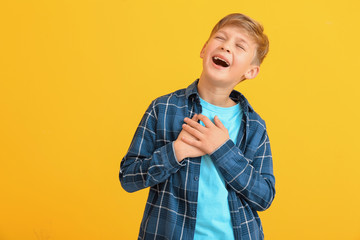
<point>218,123</point>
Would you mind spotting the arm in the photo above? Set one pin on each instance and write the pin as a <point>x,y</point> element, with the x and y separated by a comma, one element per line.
<point>251,179</point>
<point>143,165</point>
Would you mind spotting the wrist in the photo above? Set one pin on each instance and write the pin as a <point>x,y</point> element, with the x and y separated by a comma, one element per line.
<point>178,153</point>
<point>214,148</point>
<point>222,150</point>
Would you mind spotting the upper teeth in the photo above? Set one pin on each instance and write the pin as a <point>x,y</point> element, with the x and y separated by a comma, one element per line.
<point>217,58</point>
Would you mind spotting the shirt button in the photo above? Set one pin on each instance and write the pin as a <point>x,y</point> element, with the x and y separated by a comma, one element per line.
<point>193,213</point>
<point>196,178</point>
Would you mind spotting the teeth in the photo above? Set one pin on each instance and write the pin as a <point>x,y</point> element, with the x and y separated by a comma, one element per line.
<point>217,58</point>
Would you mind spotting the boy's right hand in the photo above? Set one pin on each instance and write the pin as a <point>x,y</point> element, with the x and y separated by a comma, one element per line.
<point>184,150</point>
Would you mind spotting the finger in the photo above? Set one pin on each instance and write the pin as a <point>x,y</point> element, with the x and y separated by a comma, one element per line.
<point>195,124</point>
<point>218,123</point>
<point>192,131</point>
<point>191,142</point>
<point>195,117</point>
<point>205,120</point>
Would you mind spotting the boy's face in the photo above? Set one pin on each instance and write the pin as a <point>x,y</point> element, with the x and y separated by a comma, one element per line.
<point>228,55</point>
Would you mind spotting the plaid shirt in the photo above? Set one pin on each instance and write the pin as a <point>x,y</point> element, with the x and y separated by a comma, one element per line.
<point>170,211</point>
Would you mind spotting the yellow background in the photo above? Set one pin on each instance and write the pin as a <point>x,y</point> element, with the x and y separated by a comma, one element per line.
<point>77,76</point>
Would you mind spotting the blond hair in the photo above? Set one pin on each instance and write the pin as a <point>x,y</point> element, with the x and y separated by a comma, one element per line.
<point>252,27</point>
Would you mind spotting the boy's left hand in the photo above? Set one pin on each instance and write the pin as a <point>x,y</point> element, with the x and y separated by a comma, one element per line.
<point>209,137</point>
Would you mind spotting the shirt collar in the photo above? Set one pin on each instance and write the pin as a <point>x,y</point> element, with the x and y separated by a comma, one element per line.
<point>192,92</point>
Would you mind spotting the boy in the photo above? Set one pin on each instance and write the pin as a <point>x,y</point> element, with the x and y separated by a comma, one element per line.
<point>203,150</point>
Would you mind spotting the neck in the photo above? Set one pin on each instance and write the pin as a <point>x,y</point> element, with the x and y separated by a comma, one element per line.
<point>215,95</point>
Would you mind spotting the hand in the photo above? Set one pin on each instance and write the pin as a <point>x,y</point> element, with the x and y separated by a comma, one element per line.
<point>206,138</point>
<point>184,150</point>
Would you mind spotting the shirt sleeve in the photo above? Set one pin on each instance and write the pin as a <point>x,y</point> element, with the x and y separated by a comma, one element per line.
<point>143,165</point>
<point>252,179</point>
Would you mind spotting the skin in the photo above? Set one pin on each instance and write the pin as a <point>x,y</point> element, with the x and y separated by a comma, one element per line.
<point>232,44</point>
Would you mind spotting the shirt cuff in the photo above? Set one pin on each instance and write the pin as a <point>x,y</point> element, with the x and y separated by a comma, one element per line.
<point>218,155</point>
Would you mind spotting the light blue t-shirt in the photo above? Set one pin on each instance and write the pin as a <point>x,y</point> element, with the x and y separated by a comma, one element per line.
<point>213,220</point>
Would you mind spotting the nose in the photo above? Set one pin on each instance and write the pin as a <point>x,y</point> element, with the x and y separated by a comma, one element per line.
<point>225,49</point>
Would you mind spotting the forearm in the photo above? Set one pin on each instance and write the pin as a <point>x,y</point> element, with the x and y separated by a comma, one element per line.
<point>138,171</point>
<point>145,164</point>
<point>255,185</point>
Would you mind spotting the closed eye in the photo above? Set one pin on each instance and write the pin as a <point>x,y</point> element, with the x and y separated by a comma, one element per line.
<point>240,46</point>
<point>219,37</point>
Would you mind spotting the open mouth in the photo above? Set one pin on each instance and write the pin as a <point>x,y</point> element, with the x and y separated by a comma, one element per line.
<point>220,62</point>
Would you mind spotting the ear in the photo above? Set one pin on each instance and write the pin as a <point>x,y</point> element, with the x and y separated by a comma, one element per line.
<point>202,50</point>
<point>252,72</point>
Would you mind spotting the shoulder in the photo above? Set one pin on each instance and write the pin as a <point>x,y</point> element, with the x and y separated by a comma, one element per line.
<point>255,121</point>
<point>257,134</point>
<point>176,98</point>
<point>178,94</point>
<point>168,103</point>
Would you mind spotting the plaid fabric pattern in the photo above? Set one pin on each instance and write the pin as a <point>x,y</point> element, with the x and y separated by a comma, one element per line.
<point>170,211</point>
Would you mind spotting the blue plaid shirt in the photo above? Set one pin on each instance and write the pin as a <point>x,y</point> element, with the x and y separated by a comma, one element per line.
<point>170,211</point>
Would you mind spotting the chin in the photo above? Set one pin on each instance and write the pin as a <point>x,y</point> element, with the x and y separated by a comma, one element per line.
<point>219,81</point>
